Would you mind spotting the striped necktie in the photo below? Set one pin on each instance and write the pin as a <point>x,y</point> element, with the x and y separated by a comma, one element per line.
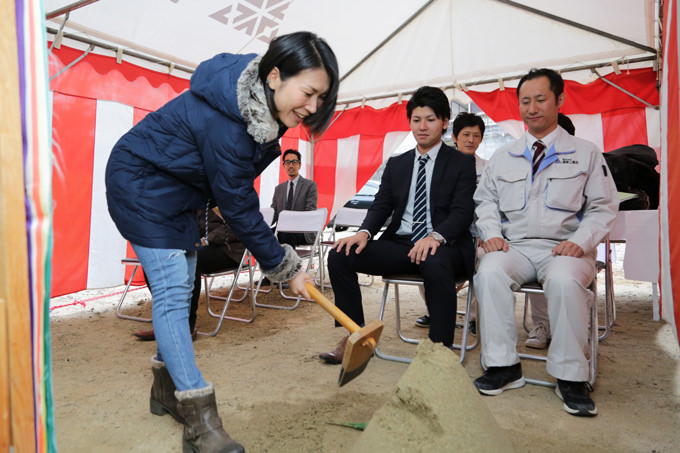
<point>420,203</point>
<point>539,154</point>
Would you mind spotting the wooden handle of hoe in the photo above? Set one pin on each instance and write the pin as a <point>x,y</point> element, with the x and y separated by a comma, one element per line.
<point>330,307</point>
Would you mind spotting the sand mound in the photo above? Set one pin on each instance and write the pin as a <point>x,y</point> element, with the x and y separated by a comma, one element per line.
<point>434,407</point>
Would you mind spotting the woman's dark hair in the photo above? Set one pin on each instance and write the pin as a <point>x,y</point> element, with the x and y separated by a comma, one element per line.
<point>465,119</point>
<point>566,123</point>
<point>296,52</point>
<point>430,97</point>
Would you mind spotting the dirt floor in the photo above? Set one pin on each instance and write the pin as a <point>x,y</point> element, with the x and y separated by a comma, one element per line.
<point>274,395</point>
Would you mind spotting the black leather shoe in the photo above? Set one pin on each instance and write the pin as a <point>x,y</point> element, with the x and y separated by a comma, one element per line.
<point>472,325</point>
<point>335,357</point>
<point>423,321</point>
<point>576,398</point>
<point>500,378</point>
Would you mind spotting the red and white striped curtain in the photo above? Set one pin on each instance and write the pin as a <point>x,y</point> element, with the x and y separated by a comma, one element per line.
<point>97,100</point>
<point>600,112</point>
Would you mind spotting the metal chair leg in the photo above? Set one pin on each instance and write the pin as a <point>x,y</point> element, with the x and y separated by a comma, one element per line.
<point>125,291</point>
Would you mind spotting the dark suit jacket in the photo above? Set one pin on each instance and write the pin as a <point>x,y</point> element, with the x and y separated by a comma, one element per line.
<point>451,204</point>
<point>305,199</point>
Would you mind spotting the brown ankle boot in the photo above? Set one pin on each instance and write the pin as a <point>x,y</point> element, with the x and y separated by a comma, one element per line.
<point>335,357</point>
<point>148,335</point>
<point>145,335</point>
<point>203,430</point>
<point>163,398</point>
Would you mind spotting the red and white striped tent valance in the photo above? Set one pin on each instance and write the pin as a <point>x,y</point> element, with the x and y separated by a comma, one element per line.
<point>97,100</point>
<point>601,113</point>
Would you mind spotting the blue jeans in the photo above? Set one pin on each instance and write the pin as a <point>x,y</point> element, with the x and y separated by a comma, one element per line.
<point>171,273</point>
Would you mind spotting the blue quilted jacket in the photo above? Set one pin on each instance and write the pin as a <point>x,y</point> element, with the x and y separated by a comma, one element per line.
<point>209,143</point>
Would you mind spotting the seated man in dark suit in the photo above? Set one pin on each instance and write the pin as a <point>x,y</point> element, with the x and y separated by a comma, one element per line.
<point>428,191</point>
<point>296,194</point>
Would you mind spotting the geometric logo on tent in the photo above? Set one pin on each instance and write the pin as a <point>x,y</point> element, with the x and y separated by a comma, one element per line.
<point>258,18</point>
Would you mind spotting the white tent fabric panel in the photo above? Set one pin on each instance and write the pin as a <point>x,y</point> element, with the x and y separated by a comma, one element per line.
<point>475,40</point>
<point>189,32</point>
<point>448,42</point>
<point>104,269</point>
<point>345,171</point>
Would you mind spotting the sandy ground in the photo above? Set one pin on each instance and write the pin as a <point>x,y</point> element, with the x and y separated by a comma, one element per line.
<point>275,396</point>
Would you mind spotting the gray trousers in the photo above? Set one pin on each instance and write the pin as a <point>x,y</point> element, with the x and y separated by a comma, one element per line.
<point>565,281</point>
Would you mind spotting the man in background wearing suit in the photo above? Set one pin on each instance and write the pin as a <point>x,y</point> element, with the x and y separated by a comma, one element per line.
<point>296,194</point>
<point>428,191</point>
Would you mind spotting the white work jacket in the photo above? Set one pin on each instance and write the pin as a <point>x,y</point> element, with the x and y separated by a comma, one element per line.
<point>572,196</point>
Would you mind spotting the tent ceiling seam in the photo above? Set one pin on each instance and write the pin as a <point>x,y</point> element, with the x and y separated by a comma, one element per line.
<point>578,25</point>
<point>388,39</point>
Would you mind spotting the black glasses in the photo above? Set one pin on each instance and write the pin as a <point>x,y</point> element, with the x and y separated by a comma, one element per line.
<point>291,162</point>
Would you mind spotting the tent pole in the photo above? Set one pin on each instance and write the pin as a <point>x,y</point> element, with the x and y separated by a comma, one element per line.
<point>312,142</point>
<point>128,52</point>
<point>505,79</point>
<point>68,8</point>
<point>17,393</point>
<point>73,63</point>
<point>580,26</point>
<point>655,107</point>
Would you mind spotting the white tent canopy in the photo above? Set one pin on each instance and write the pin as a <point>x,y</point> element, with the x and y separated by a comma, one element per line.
<point>385,47</point>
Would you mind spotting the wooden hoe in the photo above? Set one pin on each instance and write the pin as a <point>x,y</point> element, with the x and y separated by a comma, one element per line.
<point>361,342</point>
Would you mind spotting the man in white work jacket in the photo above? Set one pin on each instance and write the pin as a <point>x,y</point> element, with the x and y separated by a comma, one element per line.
<point>543,205</point>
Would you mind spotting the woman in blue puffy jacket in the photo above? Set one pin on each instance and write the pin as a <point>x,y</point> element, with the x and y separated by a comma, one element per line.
<point>205,148</point>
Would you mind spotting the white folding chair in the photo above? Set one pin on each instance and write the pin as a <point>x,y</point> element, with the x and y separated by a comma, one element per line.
<point>300,222</point>
<point>609,306</point>
<point>129,262</point>
<point>246,263</point>
<point>345,217</point>
<point>268,216</point>
<point>236,271</point>
<point>535,288</point>
<point>417,280</point>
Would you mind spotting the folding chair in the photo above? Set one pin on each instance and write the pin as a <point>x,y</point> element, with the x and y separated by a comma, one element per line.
<point>129,262</point>
<point>268,216</point>
<point>417,280</point>
<point>535,288</point>
<point>609,303</point>
<point>345,217</point>
<point>247,262</point>
<point>609,307</point>
<point>300,222</point>
<point>236,272</point>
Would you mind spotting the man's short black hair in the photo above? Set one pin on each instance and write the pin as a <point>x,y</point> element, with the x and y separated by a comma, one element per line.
<point>430,97</point>
<point>292,151</point>
<point>465,119</point>
<point>556,81</point>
